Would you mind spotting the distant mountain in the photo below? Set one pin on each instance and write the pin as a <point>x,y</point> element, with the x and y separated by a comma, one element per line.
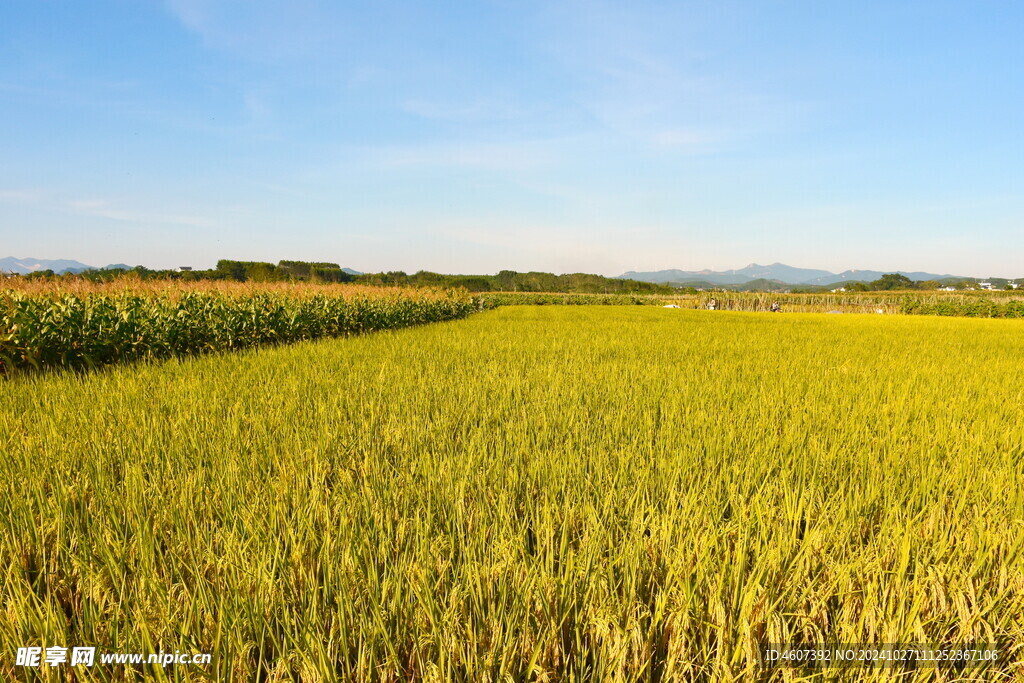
<point>350,271</point>
<point>759,285</point>
<point>777,272</point>
<point>725,277</point>
<point>762,285</point>
<point>117,266</point>
<point>24,266</point>
<point>782,273</point>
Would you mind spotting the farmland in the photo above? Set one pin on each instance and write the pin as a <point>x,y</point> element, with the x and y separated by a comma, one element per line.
<point>44,326</point>
<point>538,493</point>
<point>959,304</point>
<point>72,323</point>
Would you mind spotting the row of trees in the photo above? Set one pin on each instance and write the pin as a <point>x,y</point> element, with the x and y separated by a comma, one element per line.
<point>512,281</point>
<point>241,271</point>
<point>284,271</point>
<point>303,271</point>
<point>895,281</point>
<point>892,281</point>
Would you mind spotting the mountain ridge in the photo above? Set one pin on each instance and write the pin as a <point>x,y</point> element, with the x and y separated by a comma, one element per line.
<point>789,275</point>
<point>24,266</point>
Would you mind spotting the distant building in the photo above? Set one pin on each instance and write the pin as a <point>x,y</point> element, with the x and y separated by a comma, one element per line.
<point>986,285</point>
<point>184,269</point>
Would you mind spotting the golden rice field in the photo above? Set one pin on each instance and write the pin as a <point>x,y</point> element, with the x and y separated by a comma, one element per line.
<point>534,493</point>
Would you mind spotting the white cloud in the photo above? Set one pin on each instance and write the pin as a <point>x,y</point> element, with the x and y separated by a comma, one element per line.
<point>22,196</point>
<point>684,138</point>
<point>483,109</point>
<point>100,208</point>
<point>484,156</point>
<point>259,30</point>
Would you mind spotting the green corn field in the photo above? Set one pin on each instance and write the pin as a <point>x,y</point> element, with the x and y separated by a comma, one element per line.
<point>47,330</point>
<point>534,493</point>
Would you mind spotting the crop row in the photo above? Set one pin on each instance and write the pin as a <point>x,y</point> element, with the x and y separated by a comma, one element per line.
<point>969,308</point>
<point>75,332</point>
<point>981,305</point>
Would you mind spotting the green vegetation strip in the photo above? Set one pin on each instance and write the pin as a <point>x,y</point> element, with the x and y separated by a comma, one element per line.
<point>965,307</point>
<point>46,331</point>
<point>969,305</point>
<point>534,493</point>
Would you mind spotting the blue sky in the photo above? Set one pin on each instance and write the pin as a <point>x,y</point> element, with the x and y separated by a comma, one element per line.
<point>557,136</point>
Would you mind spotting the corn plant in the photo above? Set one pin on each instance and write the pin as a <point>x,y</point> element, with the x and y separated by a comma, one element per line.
<point>49,330</point>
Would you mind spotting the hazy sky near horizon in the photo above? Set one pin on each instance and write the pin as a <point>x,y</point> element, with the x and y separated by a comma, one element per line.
<point>559,136</point>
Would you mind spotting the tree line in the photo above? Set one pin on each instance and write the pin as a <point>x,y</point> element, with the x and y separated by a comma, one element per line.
<point>512,281</point>
<point>323,272</point>
<point>895,281</point>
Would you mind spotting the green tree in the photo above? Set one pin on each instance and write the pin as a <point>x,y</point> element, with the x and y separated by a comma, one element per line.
<point>506,280</point>
<point>891,281</point>
<point>263,272</point>
<point>234,270</point>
